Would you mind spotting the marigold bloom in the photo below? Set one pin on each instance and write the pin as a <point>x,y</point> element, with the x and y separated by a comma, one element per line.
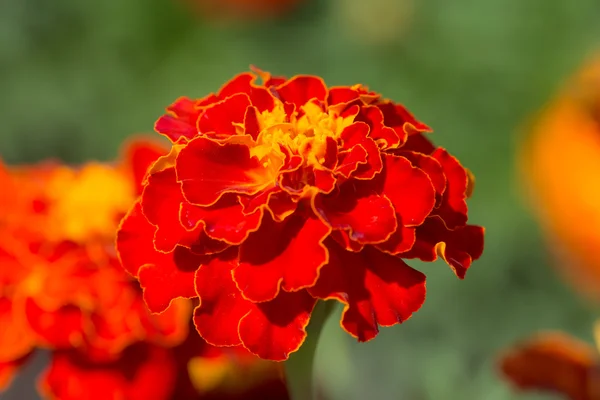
<point>562,197</point>
<point>278,194</point>
<point>554,362</point>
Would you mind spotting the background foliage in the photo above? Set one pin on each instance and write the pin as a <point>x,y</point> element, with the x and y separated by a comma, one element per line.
<point>78,77</point>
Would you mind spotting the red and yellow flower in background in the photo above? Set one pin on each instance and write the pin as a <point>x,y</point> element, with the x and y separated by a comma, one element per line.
<point>563,196</point>
<point>62,287</point>
<point>279,194</point>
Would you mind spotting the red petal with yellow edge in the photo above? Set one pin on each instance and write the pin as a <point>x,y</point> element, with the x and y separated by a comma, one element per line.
<point>419,143</point>
<point>140,154</point>
<point>350,160</point>
<point>397,117</point>
<point>367,216</point>
<point>9,369</point>
<point>348,96</point>
<point>220,117</point>
<point>453,208</point>
<point>221,303</point>
<point>302,88</point>
<point>554,362</point>
<point>343,239</point>
<point>274,329</point>
<point>180,121</point>
<point>373,117</point>
<point>409,189</point>
<point>288,254</point>
<point>208,170</point>
<point>16,337</point>
<point>432,168</point>
<point>356,134</point>
<point>376,288</point>
<point>459,247</point>
<point>224,220</point>
<point>260,97</point>
<point>402,240</point>
<point>251,123</point>
<point>62,328</point>
<point>135,238</point>
<point>142,372</point>
<point>168,280</point>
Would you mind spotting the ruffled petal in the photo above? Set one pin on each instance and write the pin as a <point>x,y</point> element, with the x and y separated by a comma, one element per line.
<point>221,303</point>
<point>397,117</point>
<point>140,154</point>
<point>180,122</point>
<point>207,170</point>
<point>373,117</point>
<point>224,220</point>
<point>358,209</point>
<point>16,337</point>
<point>356,135</point>
<point>288,254</point>
<point>274,329</point>
<point>377,289</point>
<point>302,88</point>
<point>260,97</point>
<point>220,119</point>
<point>142,372</point>
<point>459,247</point>
<point>453,207</point>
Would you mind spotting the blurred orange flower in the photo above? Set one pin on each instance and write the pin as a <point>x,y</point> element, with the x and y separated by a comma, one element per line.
<point>564,190</point>
<point>62,287</point>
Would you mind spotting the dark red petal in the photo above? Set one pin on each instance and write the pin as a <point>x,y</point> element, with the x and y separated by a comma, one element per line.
<point>16,337</point>
<point>554,362</point>
<point>259,96</point>
<point>61,328</point>
<point>372,116</point>
<point>376,288</point>
<point>142,372</point>
<point>174,277</point>
<point>350,160</point>
<point>459,247</point>
<point>224,220</point>
<point>220,117</point>
<point>401,120</point>
<point>356,208</point>
<point>343,239</point>
<point>418,143</point>
<point>302,88</point>
<point>207,170</point>
<point>161,201</point>
<point>221,303</point>
<point>324,180</point>
<point>356,135</point>
<point>453,207</point>
<point>402,240</point>
<point>140,154</point>
<point>274,329</point>
<point>409,189</point>
<point>180,120</point>
<point>251,123</point>
<point>288,254</point>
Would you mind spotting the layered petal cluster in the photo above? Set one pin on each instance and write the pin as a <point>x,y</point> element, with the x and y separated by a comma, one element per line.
<point>561,196</point>
<point>553,362</point>
<point>278,193</point>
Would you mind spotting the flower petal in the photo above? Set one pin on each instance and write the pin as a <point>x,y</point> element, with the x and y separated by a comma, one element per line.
<point>220,117</point>
<point>356,135</point>
<point>453,207</point>
<point>140,154</point>
<point>260,97</point>
<point>373,116</point>
<point>142,372</point>
<point>274,329</point>
<point>397,117</point>
<point>224,220</point>
<point>62,328</point>
<point>288,254</point>
<point>431,167</point>
<point>409,189</point>
<point>302,88</point>
<point>555,362</point>
<point>350,160</point>
<point>207,170</point>
<point>402,240</point>
<point>356,208</point>
<point>459,247</point>
<point>172,277</point>
<point>377,289</point>
<point>16,337</point>
<point>221,303</point>
<point>180,120</point>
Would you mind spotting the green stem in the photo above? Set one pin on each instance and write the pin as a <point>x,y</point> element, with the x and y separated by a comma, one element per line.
<point>299,367</point>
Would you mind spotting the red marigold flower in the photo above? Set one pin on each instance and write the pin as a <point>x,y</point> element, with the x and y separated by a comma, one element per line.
<point>554,362</point>
<point>278,194</point>
<point>570,125</point>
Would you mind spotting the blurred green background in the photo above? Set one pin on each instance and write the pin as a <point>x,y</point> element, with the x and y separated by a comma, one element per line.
<point>78,77</point>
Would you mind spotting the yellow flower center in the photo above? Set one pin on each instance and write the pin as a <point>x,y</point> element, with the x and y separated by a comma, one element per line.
<point>87,203</point>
